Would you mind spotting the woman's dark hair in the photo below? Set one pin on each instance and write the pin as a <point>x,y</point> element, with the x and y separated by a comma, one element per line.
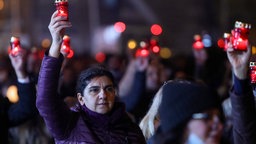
<point>90,73</point>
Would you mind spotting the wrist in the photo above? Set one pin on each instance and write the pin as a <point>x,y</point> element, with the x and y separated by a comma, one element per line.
<point>241,73</point>
<point>54,50</point>
<point>24,80</point>
<point>21,74</point>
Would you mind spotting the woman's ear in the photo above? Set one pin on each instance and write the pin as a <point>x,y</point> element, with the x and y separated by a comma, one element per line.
<point>80,99</point>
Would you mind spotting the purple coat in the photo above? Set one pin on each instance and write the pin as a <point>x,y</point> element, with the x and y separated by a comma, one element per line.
<point>79,125</point>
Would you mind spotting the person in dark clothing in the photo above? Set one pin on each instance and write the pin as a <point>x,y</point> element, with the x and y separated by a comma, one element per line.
<point>242,99</point>
<point>14,114</point>
<point>189,113</point>
<point>146,80</point>
<point>98,118</point>
<point>183,103</point>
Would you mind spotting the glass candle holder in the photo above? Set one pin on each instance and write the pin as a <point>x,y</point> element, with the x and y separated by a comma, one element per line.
<point>15,47</point>
<point>253,72</point>
<point>65,46</point>
<point>62,7</point>
<point>226,38</point>
<point>240,35</point>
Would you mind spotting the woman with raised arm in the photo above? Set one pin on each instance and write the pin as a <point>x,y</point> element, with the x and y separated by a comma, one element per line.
<point>98,118</point>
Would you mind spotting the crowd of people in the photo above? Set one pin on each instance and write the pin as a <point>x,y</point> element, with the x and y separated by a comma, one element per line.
<point>148,101</point>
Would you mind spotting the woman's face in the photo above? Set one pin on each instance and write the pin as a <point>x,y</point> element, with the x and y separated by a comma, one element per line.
<point>208,129</point>
<point>98,95</point>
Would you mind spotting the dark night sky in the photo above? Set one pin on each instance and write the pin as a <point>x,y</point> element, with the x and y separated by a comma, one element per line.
<point>180,19</point>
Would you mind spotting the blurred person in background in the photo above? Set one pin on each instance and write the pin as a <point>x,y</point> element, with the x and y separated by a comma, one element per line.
<point>16,112</point>
<point>67,84</point>
<point>146,80</point>
<point>34,60</point>
<point>189,112</point>
<point>211,66</point>
<point>115,63</point>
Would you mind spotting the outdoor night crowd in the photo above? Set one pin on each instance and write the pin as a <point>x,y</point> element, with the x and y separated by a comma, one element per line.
<point>205,98</point>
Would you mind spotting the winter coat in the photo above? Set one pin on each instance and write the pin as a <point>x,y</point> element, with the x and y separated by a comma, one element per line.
<point>79,125</point>
<point>243,113</point>
<point>14,114</point>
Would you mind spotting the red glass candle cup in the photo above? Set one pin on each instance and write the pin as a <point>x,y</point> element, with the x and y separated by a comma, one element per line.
<point>65,46</point>
<point>198,44</point>
<point>62,7</point>
<point>226,39</point>
<point>253,72</point>
<point>142,52</point>
<point>240,35</point>
<point>15,47</point>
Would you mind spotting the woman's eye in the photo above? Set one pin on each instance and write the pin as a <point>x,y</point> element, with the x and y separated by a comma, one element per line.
<point>94,90</point>
<point>110,89</point>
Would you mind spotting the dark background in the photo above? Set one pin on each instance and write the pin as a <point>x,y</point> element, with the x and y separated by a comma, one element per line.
<point>180,19</point>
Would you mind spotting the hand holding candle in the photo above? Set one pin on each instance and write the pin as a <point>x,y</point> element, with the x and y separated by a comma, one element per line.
<point>15,47</point>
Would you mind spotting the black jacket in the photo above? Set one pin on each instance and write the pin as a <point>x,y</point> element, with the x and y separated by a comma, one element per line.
<point>14,114</point>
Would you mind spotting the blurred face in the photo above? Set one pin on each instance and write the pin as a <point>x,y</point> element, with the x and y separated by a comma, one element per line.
<point>98,95</point>
<point>3,75</point>
<point>208,128</point>
<point>153,77</point>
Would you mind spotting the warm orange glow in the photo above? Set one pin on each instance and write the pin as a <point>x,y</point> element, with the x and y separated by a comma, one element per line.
<point>197,37</point>
<point>46,43</point>
<point>165,53</point>
<point>1,4</point>
<point>131,44</point>
<point>253,50</point>
<point>12,94</point>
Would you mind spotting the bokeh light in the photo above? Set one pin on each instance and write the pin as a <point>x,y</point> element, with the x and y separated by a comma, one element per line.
<point>221,43</point>
<point>120,27</point>
<point>156,49</point>
<point>46,43</point>
<point>131,44</point>
<point>253,50</point>
<point>156,29</point>
<point>1,4</point>
<point>165,53</point>
<point>100,57</point>
<point>12,94</point>
<point>143,44</point>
